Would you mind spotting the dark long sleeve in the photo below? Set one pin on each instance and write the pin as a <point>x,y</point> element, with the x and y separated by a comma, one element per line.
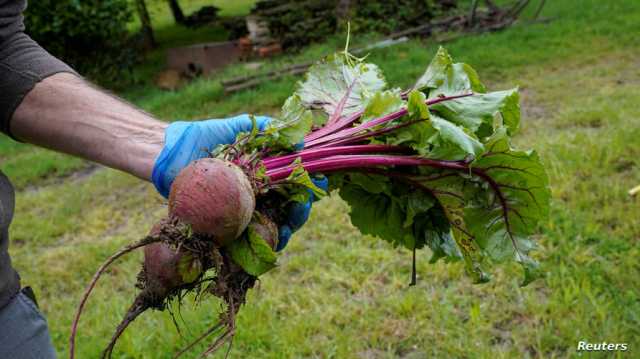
<point>23,63</point>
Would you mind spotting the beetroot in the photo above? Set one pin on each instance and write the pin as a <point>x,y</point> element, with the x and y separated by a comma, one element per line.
<point>214,197</point>
<point>211,203</point>
<point>166,268</point>
<point>265,228</point>
<point>165,271</point>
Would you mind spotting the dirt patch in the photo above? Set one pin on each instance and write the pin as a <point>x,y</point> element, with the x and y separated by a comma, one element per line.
<point>74,176</point>
<point>530,108</point>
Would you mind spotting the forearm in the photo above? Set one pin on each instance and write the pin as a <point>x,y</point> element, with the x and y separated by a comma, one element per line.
<point>66,114</point>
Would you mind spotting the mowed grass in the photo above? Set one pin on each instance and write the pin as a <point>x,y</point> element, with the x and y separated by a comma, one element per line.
<point>340,294</point>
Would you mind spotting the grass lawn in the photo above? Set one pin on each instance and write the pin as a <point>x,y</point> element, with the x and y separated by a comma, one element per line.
<point>340,294</point>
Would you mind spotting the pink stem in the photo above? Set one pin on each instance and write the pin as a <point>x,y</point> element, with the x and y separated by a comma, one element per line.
<point>338,125</point>
<point>364,136</point>
<point>318,153</point>
<point>342,162</point>
<point>350,131</point>
<point>337,114</point>
<point>378,121</point>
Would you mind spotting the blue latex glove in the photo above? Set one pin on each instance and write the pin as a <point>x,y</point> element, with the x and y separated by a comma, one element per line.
<point>298,215</point>
<point>189,141</point>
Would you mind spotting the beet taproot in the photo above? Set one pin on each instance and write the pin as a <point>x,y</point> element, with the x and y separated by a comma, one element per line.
<point>212,202</point>
<point>166,268</point>
<point>215,197</point>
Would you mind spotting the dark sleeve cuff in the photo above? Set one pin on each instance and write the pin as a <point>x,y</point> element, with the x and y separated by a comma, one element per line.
<point>23,63</point>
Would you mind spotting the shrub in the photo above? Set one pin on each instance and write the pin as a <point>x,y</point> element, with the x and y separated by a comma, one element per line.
<point>89,35</point>
<point>391,16</point>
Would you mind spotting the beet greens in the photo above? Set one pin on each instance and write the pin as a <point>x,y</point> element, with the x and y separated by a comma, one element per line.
<point>430,166</point>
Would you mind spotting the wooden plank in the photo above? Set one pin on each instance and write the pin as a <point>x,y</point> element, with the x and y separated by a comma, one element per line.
<point>286,70</point>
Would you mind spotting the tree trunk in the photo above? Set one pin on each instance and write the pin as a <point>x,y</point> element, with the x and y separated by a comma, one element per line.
<point>178,15</point>
<point>472,15</point>
<point>145,21</point>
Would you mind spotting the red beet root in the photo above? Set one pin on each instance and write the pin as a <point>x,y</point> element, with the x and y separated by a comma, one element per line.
<point>214,197</point>
<point>166,269</point>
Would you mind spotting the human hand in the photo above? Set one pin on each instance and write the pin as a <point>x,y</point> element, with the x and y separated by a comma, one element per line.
<point>189,141</point>
<point>298,214</point>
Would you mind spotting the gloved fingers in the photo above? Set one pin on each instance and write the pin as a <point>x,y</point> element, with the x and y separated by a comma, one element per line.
<point>284,234</point>
<point>224,131</point>
<point>243,123</point>
<point>179,150</point>
<point>188,141</point>
<point>321,182</point>
<point>298,214</point>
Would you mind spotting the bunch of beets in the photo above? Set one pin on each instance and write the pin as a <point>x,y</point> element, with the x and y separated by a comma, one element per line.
<point>428,166</point>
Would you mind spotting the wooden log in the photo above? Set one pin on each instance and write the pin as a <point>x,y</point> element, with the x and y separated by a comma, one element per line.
<point>236,80</point>
<point>259,80</point>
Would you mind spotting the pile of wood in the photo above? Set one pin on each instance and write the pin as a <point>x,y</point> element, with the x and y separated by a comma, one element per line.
<point>488,17</point>
<point>295,23</point>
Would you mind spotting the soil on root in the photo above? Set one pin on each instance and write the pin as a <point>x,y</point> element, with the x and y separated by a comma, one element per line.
<point>229,282</point>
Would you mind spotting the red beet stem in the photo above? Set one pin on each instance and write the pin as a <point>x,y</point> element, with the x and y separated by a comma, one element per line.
<point>331,133</point>
<point>337,163</point>
<point>318,153</point>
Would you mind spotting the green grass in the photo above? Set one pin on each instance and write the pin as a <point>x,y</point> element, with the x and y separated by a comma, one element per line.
<point>340,294</point>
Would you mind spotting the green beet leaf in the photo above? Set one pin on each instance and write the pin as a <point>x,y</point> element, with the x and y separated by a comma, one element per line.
<point>478,201</point>
<point>294,124</point>
<point>444,77</point>
<point>495,208</point>
<point>382,103</point>
<point>300,181</point>
<point>416,104</point>
<point>189,268</point>
<point>475,111</point>
<point>252,253</point>
<point>380,215</point>
<point>451,142</point>
<point>504,221</point>
<point>337,85</point>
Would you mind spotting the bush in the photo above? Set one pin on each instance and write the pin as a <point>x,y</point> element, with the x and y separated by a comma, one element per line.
<point>90,35</point>
<point>390,16</point>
